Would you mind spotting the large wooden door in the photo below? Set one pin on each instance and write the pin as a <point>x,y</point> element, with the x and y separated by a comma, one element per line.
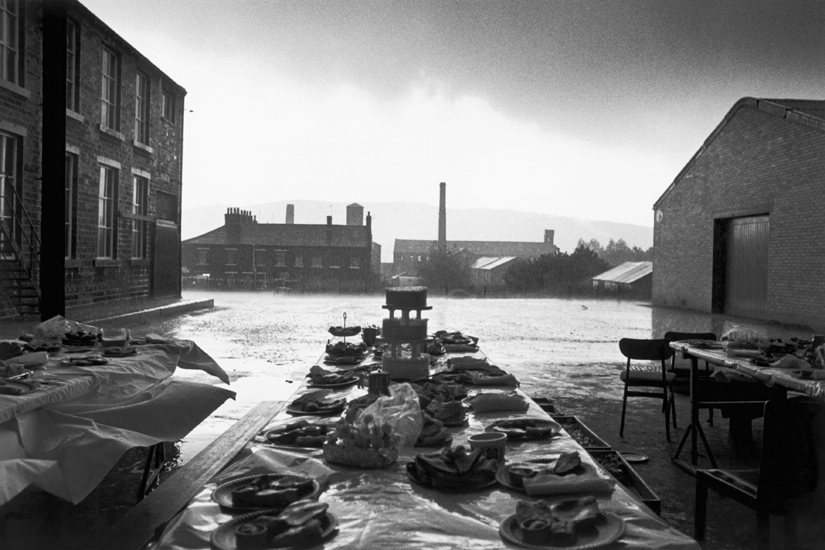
<point>746,284</point>
<point>166,272</point>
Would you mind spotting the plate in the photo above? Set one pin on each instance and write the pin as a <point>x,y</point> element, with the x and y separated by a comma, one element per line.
<point>446,441</point>
<point>15,385</point>
<point>84,361</point>
<point>634,457</point>
<point>556,428</point>
<point>325,412</point>
<point>223,493</point>
<point>119,351</point>
<point>594,536</point>
<point>350,382</point>
<point>414,478</point>
<point>343,359</point>
<point>223,538</point>
<point>502,478</point>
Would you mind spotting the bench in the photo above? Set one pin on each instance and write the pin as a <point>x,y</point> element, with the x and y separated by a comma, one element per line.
<point>148,518</point>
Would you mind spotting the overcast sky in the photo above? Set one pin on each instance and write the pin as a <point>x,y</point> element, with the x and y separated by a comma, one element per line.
<point>579,108</point>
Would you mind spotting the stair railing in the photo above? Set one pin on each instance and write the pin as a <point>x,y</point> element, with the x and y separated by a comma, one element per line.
<point>26,229</point>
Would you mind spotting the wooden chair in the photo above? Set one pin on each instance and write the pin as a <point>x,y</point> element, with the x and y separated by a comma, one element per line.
<point>676,336</point>
<point>787,481</point>
<point>648,350</point>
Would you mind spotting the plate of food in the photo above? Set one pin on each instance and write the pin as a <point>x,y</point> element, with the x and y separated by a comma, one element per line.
<point>315,404</point>
<point>301,433</point>
<point>305,523</point>
<point>343,359</point>
<point>453,470</point>
<point>344,332</point>
<point>433,433</point>
<point>346,349</point>
<point>16,387</point>
<point>119,351</point>
<point>271,491</point>
<point>322,378</point>
<point>13,371</point>
<point>574,524</point>
<point>84,361</point>
<point>526,428</point>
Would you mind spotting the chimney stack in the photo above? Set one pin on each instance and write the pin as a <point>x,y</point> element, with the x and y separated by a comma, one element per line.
<point>442,218</point>
<point>329,220</point>
<point>290,213</point>
<point>549,235</point>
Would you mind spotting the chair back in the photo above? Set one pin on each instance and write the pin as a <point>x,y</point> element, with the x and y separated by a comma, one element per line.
<point>676,336</point>
<point>645,350</point>
<point>793,454</point>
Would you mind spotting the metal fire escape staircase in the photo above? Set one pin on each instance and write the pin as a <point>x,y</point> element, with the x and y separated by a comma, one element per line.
<point>19,265</point>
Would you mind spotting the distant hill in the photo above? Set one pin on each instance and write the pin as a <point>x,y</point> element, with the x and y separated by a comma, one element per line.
<point>392,221</point>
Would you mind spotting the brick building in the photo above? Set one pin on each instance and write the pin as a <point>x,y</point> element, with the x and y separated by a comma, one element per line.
<point>741,230</point>
<point>247,254</point>
<point>123,162</point>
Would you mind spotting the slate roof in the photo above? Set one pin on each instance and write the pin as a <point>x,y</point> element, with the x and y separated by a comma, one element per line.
<point>627,273</point>
<point>289,234</point>
<point>486,248</point>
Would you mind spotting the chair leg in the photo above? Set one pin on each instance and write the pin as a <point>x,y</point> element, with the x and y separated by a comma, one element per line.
<point>700,506</point>
<point>667,414</point>
<point>624,408</point>
<point>763,531</point>
<point>673,407</point>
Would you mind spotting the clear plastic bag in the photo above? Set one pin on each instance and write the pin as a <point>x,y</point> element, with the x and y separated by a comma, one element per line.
<point>400,410</point>
<point>53,330</point>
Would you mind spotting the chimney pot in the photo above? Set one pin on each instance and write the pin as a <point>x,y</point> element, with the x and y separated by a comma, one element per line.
<point>329,220</point>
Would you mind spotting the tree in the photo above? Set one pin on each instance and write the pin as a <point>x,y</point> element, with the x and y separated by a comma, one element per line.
<point>445,269</point>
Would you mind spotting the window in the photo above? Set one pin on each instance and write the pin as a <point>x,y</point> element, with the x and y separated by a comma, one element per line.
<point>260,257</point>
<point>280,258</point>
<point>334,262</point>
<point>71,65</point>
<point>109,90</point>
<point>203,254</point>
<point>140,194</point>
<point>354,263</point>
<point>166,206</point>
<point>8,197</point>
<point>317,261</point>
<point>299,261</point>
<point>71,200</point>
<point>9,41</point>
<point>142,108</point>
<point>169,107</point>
<point>106,212</point>
<point>231,254</point>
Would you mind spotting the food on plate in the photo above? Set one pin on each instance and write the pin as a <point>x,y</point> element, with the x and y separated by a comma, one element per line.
<point>270,491</point>
<point>80,337</point>
<point>450,413</point>
<point>428,390</point>
<point>530,428</point>
<point>432,433</point>
<point>488,402</point>
<point>9,350</point>
<point>320,376</point>
<point>301,433</point>
<point>358,404</point>
<point>299,524</point>
<point>344,331</point>
<point>455,338</point>
<point>346,349</point>
<point>541,523</point>
<point>453,468</point>
<point>85,360</point>
<point>436,348</point>
<point>315,402</point>
<point>517,473</point>
<point>362,442</point>
<point>567,463</point>
<point>13,369</point>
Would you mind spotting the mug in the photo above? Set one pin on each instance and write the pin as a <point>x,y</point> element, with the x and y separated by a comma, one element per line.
<point>379,383</point>
<point>491,444</point>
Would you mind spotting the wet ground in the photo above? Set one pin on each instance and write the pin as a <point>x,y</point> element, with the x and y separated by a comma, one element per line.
<point>565,350</point>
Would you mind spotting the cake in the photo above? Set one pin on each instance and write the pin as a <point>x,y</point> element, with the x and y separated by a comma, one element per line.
<point>406,368</point>
<point>408,297</point>
<point>395,330</point>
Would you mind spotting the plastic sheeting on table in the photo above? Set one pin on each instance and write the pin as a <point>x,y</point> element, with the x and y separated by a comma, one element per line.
<point>65,437</point>
<point>385,509</point>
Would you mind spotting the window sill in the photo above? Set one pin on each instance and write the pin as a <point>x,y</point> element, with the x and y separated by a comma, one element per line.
<point>143,147</point>
<point>106,262</point>
<point>71,263</point>
<point>139,262</point>
<point>114,133</point>
<point>19,90</point>
<point>77,116</point>
<point>335,267</point>
<point>354,267</point>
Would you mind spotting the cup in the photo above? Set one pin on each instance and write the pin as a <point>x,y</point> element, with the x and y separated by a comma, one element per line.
<point>817,341</point>
<point>491,445</point>
<point>369,335</point>
<point>379,383</point>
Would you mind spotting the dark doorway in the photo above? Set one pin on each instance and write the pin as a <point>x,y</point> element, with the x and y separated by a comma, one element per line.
<point>166,272</point>
<point>740,274</point>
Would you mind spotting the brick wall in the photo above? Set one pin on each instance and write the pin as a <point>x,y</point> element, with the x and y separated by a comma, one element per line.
<point>89,279</point>
<point>758,163</point>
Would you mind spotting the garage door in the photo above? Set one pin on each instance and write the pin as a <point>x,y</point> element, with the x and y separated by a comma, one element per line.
<point>746,288</point>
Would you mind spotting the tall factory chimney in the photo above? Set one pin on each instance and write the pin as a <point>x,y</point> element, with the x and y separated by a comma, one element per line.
<point>442,218</point>
<point>290,213</point>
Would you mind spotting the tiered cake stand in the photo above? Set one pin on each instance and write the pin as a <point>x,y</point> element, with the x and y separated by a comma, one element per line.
<point>404,329</point>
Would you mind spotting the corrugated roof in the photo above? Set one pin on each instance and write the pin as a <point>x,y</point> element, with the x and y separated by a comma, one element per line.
<point>290,234</point>
<point>487,263</point>
<point>627,273</point>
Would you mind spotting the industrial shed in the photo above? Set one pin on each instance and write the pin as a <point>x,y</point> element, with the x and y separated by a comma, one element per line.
<point>630,278</point>
<point>741,230</point>
<point>489,271</point>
